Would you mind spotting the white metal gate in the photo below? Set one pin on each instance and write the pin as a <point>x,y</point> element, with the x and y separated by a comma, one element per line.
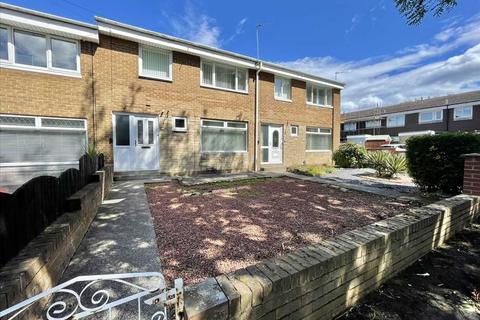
<point>87,296</point>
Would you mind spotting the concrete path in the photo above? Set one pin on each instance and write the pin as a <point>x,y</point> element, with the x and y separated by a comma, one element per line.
<point>121,239</point>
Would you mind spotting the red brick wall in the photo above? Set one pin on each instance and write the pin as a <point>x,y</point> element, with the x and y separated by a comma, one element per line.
<point>471,176</point>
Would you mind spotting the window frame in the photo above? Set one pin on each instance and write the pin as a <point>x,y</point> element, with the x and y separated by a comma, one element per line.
<point>155,49</point>
<point>12,64</point>
<point>316,87</point>
<point>455,110</point>
<point>214,86</point>
<point>319,132</point>
<point>433,112</point>
<point>379,121</point>
<point>294,126</point>
<point>396,125</point>
<point>38,127</point>
<point>351,123</point>
<point>225,126</point>
<point>280,98</point>
<point>179,129</point>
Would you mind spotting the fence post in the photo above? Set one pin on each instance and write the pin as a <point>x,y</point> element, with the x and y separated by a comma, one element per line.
<point>471,174</point>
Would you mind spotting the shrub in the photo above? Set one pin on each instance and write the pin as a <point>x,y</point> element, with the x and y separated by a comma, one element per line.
<point>386,164</point>
<point>350,155</point>
<point>435,163</point>
<point>311,170</point>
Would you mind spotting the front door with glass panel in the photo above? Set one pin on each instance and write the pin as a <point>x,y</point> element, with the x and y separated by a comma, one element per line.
<point>135,143</point>
<point>272,144</point>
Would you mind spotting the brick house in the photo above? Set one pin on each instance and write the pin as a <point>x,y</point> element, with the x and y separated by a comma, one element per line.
<point>456,112</point>
<point>151,102</point>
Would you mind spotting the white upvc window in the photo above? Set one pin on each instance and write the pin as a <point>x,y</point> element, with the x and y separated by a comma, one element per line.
<point>218,136</point>
<point>396,121</point>
<point>430,116</point>
<point>33,51</point>
<point>463,113</point>
<point>349,126</point>
<point>34,140</point>
<point>319,96</point>
<point>294,130</point>
<point>179,124</point>
<point>155,63</point>
<point>369,124</point>
<point>225,77</point>
<point>318,139</point>
<point>283,89</point>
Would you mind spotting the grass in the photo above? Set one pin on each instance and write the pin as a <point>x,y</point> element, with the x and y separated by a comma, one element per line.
<point>227,184</point>
<point>312,170</point>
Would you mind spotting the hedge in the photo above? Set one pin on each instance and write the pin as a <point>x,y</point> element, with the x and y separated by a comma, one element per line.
<point>350,155</point>
<point>435,162</point>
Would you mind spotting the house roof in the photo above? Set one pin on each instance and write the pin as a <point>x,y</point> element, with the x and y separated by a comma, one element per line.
<point>443,101</point>
<point>153,38</point>
<point>42,22</point>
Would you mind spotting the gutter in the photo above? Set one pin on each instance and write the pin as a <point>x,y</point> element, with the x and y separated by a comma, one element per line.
<point>257,96</point>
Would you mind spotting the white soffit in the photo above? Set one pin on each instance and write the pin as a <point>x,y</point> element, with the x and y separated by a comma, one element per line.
<point>44,23</point>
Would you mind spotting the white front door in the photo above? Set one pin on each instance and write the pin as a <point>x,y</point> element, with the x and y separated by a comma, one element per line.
<point>135,143</point>
<point>272,145</point>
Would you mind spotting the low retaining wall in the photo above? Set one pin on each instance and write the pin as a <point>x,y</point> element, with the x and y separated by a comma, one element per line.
<point>324,280</point>
<point>40,265</point>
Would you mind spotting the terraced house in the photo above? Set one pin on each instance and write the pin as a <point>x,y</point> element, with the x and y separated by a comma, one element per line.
<point>455,112</point>
<point>151,102</point>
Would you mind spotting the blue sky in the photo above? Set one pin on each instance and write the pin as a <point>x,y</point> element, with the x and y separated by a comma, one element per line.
<point>384,60</point>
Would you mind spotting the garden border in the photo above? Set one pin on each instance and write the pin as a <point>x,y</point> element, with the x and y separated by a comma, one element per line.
<point>40,265</point>
<point>326,279</point>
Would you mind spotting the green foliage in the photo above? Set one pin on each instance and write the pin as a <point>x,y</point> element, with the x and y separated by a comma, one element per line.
<point>415,10</point>
<point>91,150</point>
<point>312,170</point>
<point>386,164</point>
<point>350,155</point>
<point>435,162</point>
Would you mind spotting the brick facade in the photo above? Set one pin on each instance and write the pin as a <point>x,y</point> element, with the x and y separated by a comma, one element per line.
<point>471,177</point>
<point>110,83</point>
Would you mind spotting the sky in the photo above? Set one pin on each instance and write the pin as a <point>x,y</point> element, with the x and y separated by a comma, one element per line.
<point>366,44</point>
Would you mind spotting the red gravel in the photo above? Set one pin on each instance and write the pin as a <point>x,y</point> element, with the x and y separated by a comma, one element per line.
<point>206,235</point>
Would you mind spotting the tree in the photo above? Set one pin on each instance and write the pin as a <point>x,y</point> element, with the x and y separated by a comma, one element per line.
<point>415,10</point>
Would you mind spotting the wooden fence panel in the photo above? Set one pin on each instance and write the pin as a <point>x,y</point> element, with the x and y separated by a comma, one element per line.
<point>37,203</point>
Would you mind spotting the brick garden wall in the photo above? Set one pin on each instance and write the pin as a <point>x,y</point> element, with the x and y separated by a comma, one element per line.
<point>324,280</point>
<point>471,177</point>
<point>40,265</point>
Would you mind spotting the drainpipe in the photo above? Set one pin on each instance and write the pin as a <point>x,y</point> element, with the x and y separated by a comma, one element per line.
<point>257,98</point>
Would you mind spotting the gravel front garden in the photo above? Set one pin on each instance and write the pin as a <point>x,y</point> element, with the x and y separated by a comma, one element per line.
<point>206,230</point>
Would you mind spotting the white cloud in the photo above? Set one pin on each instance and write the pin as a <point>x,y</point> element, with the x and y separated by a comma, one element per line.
<point>196,26</point>
<point>416,71</point>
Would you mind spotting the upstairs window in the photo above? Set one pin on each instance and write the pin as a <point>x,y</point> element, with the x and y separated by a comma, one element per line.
<point>319,96</point>
<point>430,116</point>
<point>373,124</point>
<point>3,44</point>
<point>39,52</point>
<point>155,63</point>
<point>283,89</point>
<point>223,77</point>
<point>350,126</point>
<point>396,121</point>
<point>463,113</point>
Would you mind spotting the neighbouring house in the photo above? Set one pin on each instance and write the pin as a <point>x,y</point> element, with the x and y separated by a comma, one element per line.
<point>456,112</point>
<point>151,102</point>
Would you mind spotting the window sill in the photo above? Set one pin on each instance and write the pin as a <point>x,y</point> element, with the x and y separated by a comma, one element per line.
<point>144,76</point>
<point>224,89</point>
<point>388,127</point>
<point>66,73</point>
<point>282,99</point>
<point>462,119</point>
<point>179,130</point>
<point>319,105</point>
<point>429,122</point>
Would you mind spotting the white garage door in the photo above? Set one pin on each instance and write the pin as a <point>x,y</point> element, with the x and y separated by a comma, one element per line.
<point>32,146</point>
